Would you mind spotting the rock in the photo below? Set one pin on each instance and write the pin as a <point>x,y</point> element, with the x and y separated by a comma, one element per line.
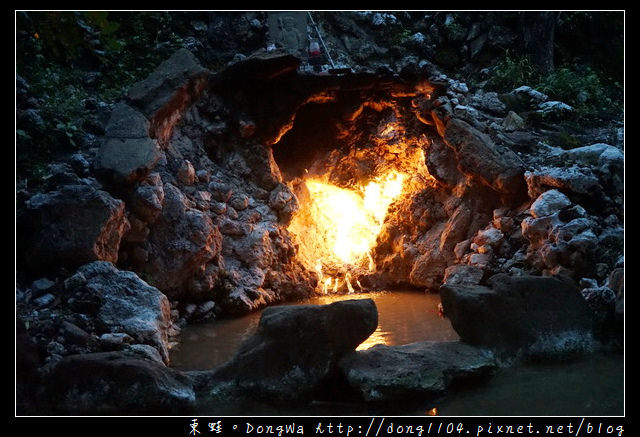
<point>41,286</point>
<point>71,226</point>
<point>441,163</point>
<point>205,310</point>
<point>112,383</point>
<point>270,366</point>
<point>127,153</point>
<point>144,351</point>
<point>73,334</point>
<point>239,202</point>
<point>530,95</point>
<point>513,122</point>
<point>488,237</point>
<point>606,157</point>
<point>602,301</point>
<point>462,274</point>
<point>548,203</point>
<point>27,378</point>
<point>74,281</point>
<point>186,173</point>
<point>573,179</point>
<point>128,304</point>
<point>126,122</point>
<point>554,109</point>
<point>159,88</point>
<point>488,102</point>
<point>44,300</point>
<point>182,240</point>
<point>520,313</point>
<point>115,340</point>
<point>479,157</point>
<point>615,281</point>
<point>417,370</point>
<point>148,198</point>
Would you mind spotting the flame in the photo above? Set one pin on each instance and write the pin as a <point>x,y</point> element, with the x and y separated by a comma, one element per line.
<point>338,227</point>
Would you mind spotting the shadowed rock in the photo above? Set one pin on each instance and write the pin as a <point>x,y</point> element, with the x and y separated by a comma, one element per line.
<point>71,226</point>
<point>115,383</point>
<point>294,349</point>
<point>424,369</point>
<point>515,313</point>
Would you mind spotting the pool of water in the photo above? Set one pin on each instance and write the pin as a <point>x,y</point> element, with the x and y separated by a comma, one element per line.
<point>403,317</point>
<point>589,386</point>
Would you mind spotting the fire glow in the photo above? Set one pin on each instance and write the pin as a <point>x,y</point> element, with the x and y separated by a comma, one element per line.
<point>336,228</point>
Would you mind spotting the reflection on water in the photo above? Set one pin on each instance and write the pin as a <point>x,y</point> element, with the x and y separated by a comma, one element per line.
<point>403,317</point>
<point>590,386</point>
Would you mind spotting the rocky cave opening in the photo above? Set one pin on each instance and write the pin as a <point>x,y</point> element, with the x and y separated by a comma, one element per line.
<point>382,198</point>
<point>219,194</point>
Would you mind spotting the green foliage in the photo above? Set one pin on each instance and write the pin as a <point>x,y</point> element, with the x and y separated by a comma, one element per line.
<point>511,72</point>
<point>56,51</point>
<point>582,87</point>
<point>400,37</point>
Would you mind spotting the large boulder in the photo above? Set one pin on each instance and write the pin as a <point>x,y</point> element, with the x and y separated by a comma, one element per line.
<point>479,157</point>
<point>71,226</point>
<point>295,348</point>
<point>529,313</point>
<point>181,241</point>
<point>115,383</point>
<point>121,302</point>
<point>168,91</point>
<point>426,369</point>
<point>127,153</point>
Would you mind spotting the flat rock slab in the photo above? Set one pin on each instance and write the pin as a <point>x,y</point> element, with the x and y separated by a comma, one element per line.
<point>424,369</point>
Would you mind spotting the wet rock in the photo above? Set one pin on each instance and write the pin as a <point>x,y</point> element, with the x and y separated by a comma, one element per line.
<point>269,366</point>
<point>520,313</point>
<point>128,304</point>
<point>113,383</point>
<point>71,226</point>
<point>417,370</point>
<point>479,157</point>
